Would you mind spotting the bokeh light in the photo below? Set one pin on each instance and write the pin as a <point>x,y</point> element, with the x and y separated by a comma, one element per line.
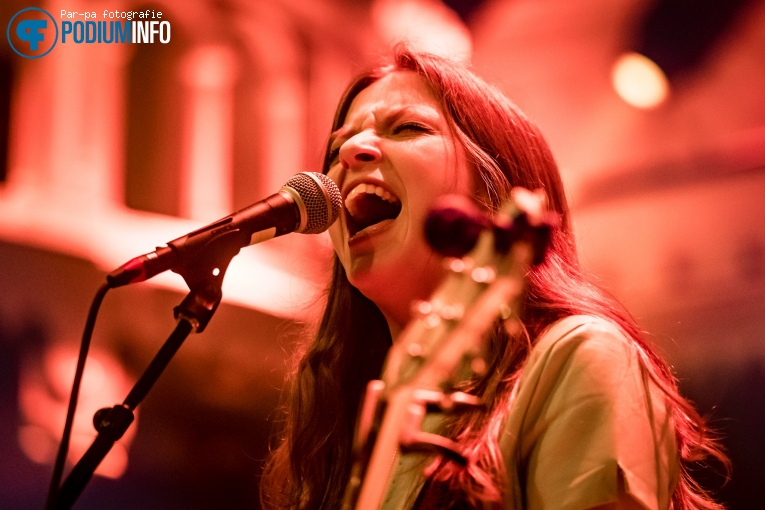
<point>639,81</point>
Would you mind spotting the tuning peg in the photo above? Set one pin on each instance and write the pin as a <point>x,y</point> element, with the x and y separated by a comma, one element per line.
<point>413,439</point>
<point>452,227</point>
<point>455,402</point>
<point>425,442</point>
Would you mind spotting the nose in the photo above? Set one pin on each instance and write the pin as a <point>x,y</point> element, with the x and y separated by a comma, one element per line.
<point>360,148</point>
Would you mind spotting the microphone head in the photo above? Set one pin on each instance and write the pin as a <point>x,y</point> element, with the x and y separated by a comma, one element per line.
<point>319,201</point>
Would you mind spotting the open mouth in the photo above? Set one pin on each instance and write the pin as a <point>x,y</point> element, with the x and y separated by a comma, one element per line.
<point>368,205</point>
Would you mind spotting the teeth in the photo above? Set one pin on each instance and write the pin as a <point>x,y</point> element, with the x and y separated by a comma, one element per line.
<point>354,202</point>
<point>369,189</point>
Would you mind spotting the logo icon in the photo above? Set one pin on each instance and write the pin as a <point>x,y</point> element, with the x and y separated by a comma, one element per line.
<point>32,32</point>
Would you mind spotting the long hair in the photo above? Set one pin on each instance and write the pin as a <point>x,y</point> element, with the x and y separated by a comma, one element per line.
<point>310,467</point>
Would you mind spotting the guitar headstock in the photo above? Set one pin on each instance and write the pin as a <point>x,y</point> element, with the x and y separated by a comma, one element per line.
<point>480,249</point>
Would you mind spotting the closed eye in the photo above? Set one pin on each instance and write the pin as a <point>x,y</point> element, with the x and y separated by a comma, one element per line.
<point>414,127</point>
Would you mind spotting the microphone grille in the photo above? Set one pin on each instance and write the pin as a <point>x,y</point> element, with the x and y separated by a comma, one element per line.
<point>321,198</point>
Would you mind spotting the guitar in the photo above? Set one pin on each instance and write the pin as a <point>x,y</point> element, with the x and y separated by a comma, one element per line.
<point>487,259</point>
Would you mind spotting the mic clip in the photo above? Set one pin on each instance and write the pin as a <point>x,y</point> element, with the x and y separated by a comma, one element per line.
<point>203,271</point>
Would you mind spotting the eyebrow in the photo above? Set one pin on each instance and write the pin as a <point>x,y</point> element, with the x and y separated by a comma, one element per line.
<point>394,112</point>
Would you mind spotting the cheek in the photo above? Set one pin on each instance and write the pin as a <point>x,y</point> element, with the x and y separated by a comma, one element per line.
<point>460,169</point>
<point>336,174</point>
<point>442,177</point>
<point>448,169</point>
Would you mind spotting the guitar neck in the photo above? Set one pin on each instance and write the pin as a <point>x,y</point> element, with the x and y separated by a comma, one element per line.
<point>425,363</point>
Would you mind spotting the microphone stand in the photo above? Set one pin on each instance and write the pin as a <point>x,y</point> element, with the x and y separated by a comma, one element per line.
<point>203,272</point>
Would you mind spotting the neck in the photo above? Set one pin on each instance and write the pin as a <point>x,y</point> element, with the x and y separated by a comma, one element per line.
<point>395,327</point>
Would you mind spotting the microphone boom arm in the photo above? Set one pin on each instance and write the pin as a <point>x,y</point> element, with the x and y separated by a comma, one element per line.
<point>308,203</point>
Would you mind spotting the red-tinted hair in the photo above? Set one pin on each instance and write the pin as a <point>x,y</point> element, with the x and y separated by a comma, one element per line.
<point>310,467</point>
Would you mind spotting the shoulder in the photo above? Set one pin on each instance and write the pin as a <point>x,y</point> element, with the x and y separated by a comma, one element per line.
<point>586,412</point>
<point>584,376</point>
<point>582,363</point>
<point>582,345</point>
<point>581,330</point>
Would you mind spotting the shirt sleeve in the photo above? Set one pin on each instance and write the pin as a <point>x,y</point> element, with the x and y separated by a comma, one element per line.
<point>587,422</point>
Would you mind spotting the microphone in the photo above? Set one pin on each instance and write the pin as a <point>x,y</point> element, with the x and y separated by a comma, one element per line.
<point>308,203</point>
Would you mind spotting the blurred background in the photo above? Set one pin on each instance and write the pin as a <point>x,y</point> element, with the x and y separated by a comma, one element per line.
<point>108,150</point>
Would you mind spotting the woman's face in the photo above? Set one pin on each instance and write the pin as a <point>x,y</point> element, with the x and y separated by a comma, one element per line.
<point>392,158</point>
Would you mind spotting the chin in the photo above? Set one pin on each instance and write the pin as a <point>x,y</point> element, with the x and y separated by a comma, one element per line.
<point>394,288</point>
